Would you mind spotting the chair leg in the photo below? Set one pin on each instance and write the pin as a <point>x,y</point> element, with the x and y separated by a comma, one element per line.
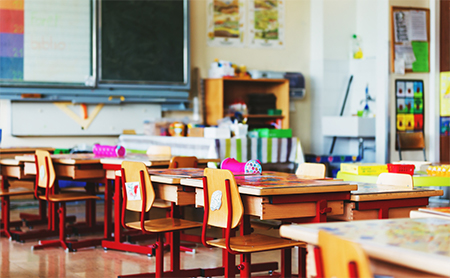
<point>159,264</point>
<point>62,241</point>
<point>246,266</point>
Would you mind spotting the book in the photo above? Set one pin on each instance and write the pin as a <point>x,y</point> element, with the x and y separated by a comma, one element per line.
<point>445,211</point>
<point>364,168</point>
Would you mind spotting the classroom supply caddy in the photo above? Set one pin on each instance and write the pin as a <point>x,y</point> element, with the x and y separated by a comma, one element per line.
<point>401,168</point>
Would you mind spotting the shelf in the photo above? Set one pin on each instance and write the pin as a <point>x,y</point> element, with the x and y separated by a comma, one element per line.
<point>220,93</point>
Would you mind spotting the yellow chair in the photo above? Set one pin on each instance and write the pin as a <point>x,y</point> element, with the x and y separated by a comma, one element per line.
<point>396,179</point>
<point>224,209</point>
<point>183,162</point>
<point>311,170</point>
<point>45,179</point>
<point>139,197</point>
<point>337,257</point>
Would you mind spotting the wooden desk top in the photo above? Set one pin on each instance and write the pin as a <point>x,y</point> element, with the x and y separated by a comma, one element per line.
<point>422,243</point>
<point>18,150</point>
<point>70,159</point>
<point>89,158</point>
<point>372,192</point>
<point>419,180</point>
<point>270,183</point>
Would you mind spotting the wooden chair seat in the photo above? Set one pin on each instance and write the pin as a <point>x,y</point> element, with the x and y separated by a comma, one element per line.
<point>69,197</point>
<point>164,225</point>
<point>255,243</point>
<point>15,191</point>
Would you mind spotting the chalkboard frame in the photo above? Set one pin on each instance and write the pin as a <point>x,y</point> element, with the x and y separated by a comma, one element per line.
<point>145,84</point>
<point>170,96</point>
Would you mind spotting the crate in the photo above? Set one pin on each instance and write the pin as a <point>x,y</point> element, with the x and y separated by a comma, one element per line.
<point>401,168</point>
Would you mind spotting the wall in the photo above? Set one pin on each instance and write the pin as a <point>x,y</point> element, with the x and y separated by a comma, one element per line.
<point>333,24</point>
<point>430,99</point>
<point>294,57</point>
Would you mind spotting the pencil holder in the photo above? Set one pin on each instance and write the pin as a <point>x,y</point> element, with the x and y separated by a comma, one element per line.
<point>109,151</point>
<point>236,167</point>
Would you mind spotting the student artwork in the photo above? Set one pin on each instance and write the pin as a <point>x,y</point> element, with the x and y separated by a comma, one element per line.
<point>409,105</point>
<point>133,191</point>
<point>226,22</point>
<point>266,23</point>
<point>216,200</point>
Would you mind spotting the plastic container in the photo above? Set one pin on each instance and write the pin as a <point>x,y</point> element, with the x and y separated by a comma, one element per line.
<point>401,168</point>
<point>108,151</point>
<point>236,167</point>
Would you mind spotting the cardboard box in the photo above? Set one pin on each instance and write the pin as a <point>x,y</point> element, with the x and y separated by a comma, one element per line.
<point>364,168</point>
<point>195,132</point>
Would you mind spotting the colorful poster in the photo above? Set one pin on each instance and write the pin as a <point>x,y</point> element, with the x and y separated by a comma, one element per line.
<point>409,99</point>
<point>445,94</point>
<point>226,23</point>
<point>266,23</point>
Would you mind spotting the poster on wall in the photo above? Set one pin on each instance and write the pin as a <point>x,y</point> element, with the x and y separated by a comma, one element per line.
<point>409,102</point>
<point>445,94</point>
<point>226,22</point>
<point>266,23</point>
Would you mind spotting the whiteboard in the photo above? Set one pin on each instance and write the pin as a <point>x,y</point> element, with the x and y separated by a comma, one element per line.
<point>46,119</point>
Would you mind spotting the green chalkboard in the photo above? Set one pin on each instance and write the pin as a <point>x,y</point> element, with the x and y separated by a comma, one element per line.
<point>144,42</point>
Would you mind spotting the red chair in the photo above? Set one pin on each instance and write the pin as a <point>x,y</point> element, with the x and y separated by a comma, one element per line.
<point>45,179</point>
<point>139,196</point>
<point>224,209</point>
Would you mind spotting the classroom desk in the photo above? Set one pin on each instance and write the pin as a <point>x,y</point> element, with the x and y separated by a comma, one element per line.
<point>286,197</point>
<point>419,180</point>
<point>84,166</point>
<point>376,201</point>
<point>271,195</point>
<point>403,246</point>
<point>13,151</point>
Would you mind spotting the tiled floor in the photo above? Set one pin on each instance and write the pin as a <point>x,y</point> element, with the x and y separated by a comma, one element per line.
<point>18,260</point>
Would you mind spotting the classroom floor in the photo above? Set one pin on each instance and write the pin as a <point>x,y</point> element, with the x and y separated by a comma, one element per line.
<point>18,260</point>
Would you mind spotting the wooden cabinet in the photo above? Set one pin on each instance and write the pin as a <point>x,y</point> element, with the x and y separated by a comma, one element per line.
<point>221,93</point>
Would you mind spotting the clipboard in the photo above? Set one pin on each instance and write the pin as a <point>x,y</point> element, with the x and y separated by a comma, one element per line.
<point>410,39</point>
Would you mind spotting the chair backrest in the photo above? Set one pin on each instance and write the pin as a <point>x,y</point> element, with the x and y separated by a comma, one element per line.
<point>396,179</point>
<point>159,150</point>
<point>183,162</point>
<point>411,141</point>
<point>136,186</point>
<point>218,200</point>
<point>340,255</point>
<point>45,172</point>
<point>311,170</point>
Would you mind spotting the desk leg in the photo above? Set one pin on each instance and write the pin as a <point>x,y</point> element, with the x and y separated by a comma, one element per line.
<point>108,210</point>
<point>117,207</point>
<point>5,216</point>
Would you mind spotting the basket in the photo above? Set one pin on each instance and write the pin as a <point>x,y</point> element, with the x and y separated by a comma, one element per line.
<point>401,168</point>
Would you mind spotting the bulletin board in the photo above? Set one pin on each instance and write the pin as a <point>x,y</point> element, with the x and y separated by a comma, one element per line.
<point>410,39</point>
<point>409,103</point>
